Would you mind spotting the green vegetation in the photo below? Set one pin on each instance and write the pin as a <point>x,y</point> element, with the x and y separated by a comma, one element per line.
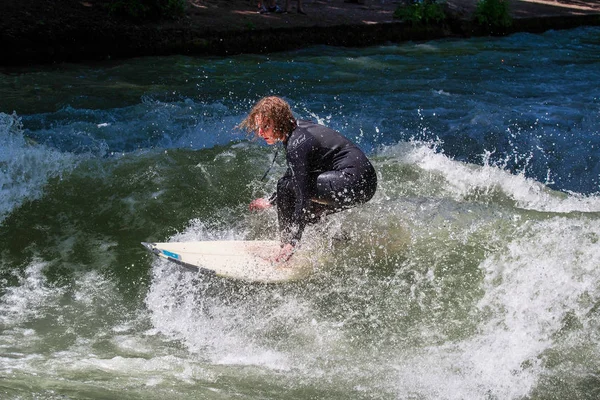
<point>493,14</point>
<point>421,12</point>
<point>147,10</point>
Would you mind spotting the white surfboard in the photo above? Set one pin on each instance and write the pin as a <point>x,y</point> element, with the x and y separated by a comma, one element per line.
<point>248,260</point>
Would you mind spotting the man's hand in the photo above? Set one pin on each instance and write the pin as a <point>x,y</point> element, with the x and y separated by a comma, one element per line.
<point>285,253</point>
<point>259,204</point>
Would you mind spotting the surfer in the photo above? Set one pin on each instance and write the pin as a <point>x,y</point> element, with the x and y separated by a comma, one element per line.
<point>326,172</point>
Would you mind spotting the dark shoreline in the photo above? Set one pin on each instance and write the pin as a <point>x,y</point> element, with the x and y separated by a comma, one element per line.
<point>115,40</point>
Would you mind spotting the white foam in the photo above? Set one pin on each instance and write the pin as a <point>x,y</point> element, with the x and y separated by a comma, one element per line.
<point>148,371</point>
<point>207,326</point>
<point>530,288</point>
<point>25,167</point>
<point>29,298</point>
<point>463,179</point>
<point>547,272</point>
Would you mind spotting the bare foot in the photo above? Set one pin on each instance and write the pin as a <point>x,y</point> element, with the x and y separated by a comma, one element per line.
<point>286,252</point>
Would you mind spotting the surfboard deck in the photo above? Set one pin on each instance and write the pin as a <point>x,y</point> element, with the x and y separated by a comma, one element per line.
<point>247,260</point>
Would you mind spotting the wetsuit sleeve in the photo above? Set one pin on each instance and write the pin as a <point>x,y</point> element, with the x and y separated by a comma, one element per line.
<point>273,197</point>
<point>298,162</point>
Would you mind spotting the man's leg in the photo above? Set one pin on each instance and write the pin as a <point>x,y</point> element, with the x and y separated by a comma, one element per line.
<point>340,189</point>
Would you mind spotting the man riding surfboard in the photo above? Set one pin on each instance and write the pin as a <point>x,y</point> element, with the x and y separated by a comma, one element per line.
<point>326,172</point>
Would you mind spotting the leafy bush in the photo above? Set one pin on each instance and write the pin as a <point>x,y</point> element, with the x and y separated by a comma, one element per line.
<point>421,12</point>
<point>493,14</point>
<point>147,10</point>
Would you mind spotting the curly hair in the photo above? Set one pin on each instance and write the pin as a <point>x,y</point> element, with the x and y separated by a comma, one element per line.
<point>276,110</point>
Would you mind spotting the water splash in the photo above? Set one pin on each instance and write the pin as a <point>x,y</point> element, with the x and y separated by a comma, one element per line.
<point>25,167</point>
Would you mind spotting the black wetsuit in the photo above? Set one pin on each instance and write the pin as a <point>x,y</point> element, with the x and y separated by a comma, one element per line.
<point>326,173</point>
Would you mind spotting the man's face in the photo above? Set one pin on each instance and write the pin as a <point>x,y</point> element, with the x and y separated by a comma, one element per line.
<point>264,129</point>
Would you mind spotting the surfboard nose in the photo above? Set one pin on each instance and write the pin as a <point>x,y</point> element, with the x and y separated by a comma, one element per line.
<point>150,246</point>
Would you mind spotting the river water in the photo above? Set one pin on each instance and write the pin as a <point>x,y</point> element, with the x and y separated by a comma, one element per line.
<point>472,274</point>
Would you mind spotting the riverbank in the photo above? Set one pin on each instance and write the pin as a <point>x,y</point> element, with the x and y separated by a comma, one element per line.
<point>42,32</point>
